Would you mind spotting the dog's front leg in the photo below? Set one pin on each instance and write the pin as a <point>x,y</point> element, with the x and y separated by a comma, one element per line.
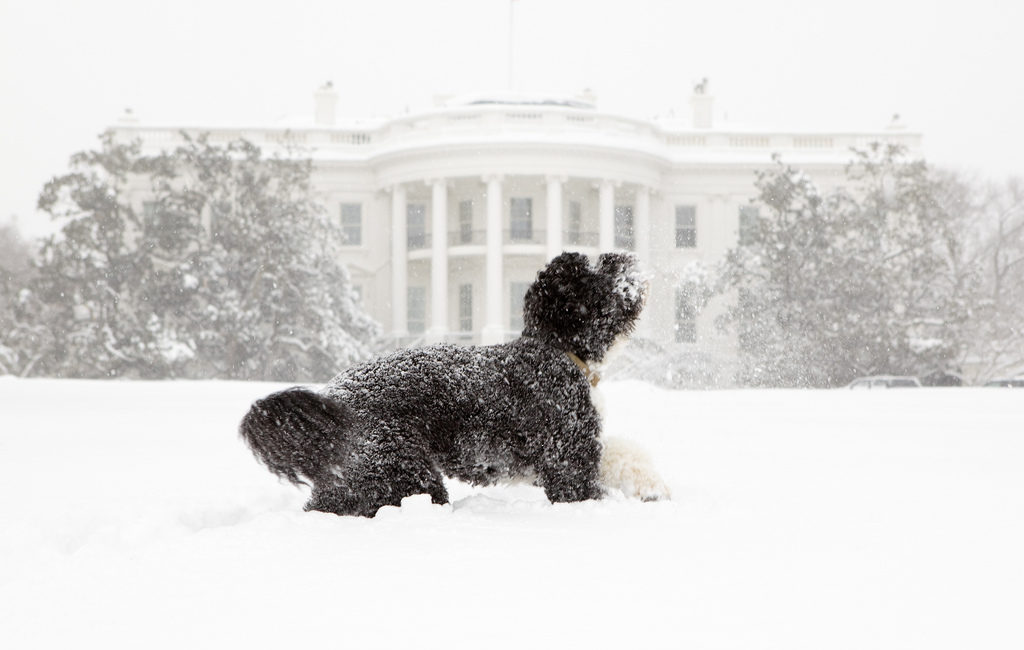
<point>570,468</point>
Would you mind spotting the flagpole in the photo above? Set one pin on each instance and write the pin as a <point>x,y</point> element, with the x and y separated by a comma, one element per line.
<point>511,42</point>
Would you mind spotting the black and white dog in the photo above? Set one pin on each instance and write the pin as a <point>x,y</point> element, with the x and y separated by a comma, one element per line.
<point>395,426</point>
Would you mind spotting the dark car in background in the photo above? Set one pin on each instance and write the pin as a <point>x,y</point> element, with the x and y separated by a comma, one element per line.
<point>1006,383</point>
<point>885,381</point>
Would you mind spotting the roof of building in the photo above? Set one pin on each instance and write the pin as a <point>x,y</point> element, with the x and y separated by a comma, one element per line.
<point>520,99</point>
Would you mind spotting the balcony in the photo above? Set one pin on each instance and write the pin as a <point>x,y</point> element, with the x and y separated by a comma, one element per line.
<point>525,236</point>
<point>417,240</point>
<point>576,238</point>
<point>464,237</point>
<point>518,238</point>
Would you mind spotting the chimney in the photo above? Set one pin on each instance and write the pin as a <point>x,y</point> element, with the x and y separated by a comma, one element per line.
<point>128,117</point>
<point>589,96</point>
<point>896,124</point>
<point>702,104</point>
<point>325,101</point>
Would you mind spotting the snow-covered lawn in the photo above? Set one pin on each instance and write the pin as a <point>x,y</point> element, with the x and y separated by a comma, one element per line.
<point>131,516</point>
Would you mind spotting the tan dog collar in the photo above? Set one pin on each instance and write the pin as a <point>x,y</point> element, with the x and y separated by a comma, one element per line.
<point>592,375</point>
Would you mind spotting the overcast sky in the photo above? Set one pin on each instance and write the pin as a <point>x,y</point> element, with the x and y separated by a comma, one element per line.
<point>68,69</point>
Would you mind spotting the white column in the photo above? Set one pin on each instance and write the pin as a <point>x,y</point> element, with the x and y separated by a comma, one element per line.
<point>712,229</point>
<point>493,330</point>
<point>606,216</point>
<point>642,240</point>
<point>642,224</point>
<point>399,264</point>
<point>554,235</point>
<point>438,262</point>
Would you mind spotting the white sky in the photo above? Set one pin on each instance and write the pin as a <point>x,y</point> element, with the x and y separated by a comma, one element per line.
<point>69,68</point>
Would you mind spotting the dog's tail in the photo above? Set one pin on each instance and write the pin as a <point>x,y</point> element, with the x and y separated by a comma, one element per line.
<point>296,433</point>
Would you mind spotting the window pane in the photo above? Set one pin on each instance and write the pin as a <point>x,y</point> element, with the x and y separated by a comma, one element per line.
<point>352,223</point>
<point>416,225</point>
<point>466,307</point>
<point>749,215</point>
<point>686,226</point>
<point>517,291</point>
<point>686,238</point>
<point>149,215</point>
<point>575,223</point>
<point>417,310</point>
<point>465,222</point>
<point>624,227</point>
<point>521,219</point>
<point>686,317</point>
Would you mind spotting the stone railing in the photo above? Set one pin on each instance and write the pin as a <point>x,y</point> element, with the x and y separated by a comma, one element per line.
<point>467,238</point>
<point>486,122</point>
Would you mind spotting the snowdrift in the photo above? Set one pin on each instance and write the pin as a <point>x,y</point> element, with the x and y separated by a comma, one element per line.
<point>132,516</point>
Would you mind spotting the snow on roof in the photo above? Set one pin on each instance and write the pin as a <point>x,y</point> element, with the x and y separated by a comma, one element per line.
<point>518,99</point>
<point>342,123</point>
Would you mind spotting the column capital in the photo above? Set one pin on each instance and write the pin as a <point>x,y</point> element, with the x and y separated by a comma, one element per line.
<point>607,182</point>
<point>434,181</point>
<point>649,190</point>
<point>492,178</point>
<point>556,178</point>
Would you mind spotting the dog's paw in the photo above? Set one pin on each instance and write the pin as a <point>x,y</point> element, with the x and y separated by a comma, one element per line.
<point>626,467</point>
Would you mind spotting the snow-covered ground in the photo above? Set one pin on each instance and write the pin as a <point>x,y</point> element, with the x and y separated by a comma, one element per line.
<point>131,516</point>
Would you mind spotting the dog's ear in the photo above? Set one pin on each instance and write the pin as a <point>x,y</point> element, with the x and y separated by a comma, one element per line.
<point>628,281</point>
<point>568,264</point>
<point>559,284</point>
<point>617,264</point>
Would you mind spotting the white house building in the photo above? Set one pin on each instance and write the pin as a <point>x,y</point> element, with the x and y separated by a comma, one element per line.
<point>450,212</point>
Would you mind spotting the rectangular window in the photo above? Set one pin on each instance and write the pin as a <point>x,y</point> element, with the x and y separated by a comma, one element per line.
<point>465,222</point>
<point>686,226</point>
<point>465,308</point>
<point>749,215</point>
<point>575,226</point>
<point>521,219</point>
<point>417,310</point>
<point>149,215</point>
<point>624,227</point>
<point>352,223</point>
<point>747,308</point>
<point>416,225</point>
<point>686,317</point>
<point>517,292</point>
<point>167,228</point>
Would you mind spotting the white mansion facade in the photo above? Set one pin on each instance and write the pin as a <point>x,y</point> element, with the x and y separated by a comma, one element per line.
<point>450,212</point>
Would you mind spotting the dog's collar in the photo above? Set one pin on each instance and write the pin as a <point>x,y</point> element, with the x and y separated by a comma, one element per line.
<point>592,375</point>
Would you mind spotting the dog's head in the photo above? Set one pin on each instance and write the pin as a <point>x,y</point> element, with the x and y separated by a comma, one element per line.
<point>582,309</point>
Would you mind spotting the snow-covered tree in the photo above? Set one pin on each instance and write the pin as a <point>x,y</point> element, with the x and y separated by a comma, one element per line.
<point>84,306</point>
<point>251,267</point>
<point>230,270</point>
<point>15,257</point>
<point>857,281</point>
<point>680,360</point>
<point>994,249</point>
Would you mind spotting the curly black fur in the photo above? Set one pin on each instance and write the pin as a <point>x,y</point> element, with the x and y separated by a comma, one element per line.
<point>394,426</point>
